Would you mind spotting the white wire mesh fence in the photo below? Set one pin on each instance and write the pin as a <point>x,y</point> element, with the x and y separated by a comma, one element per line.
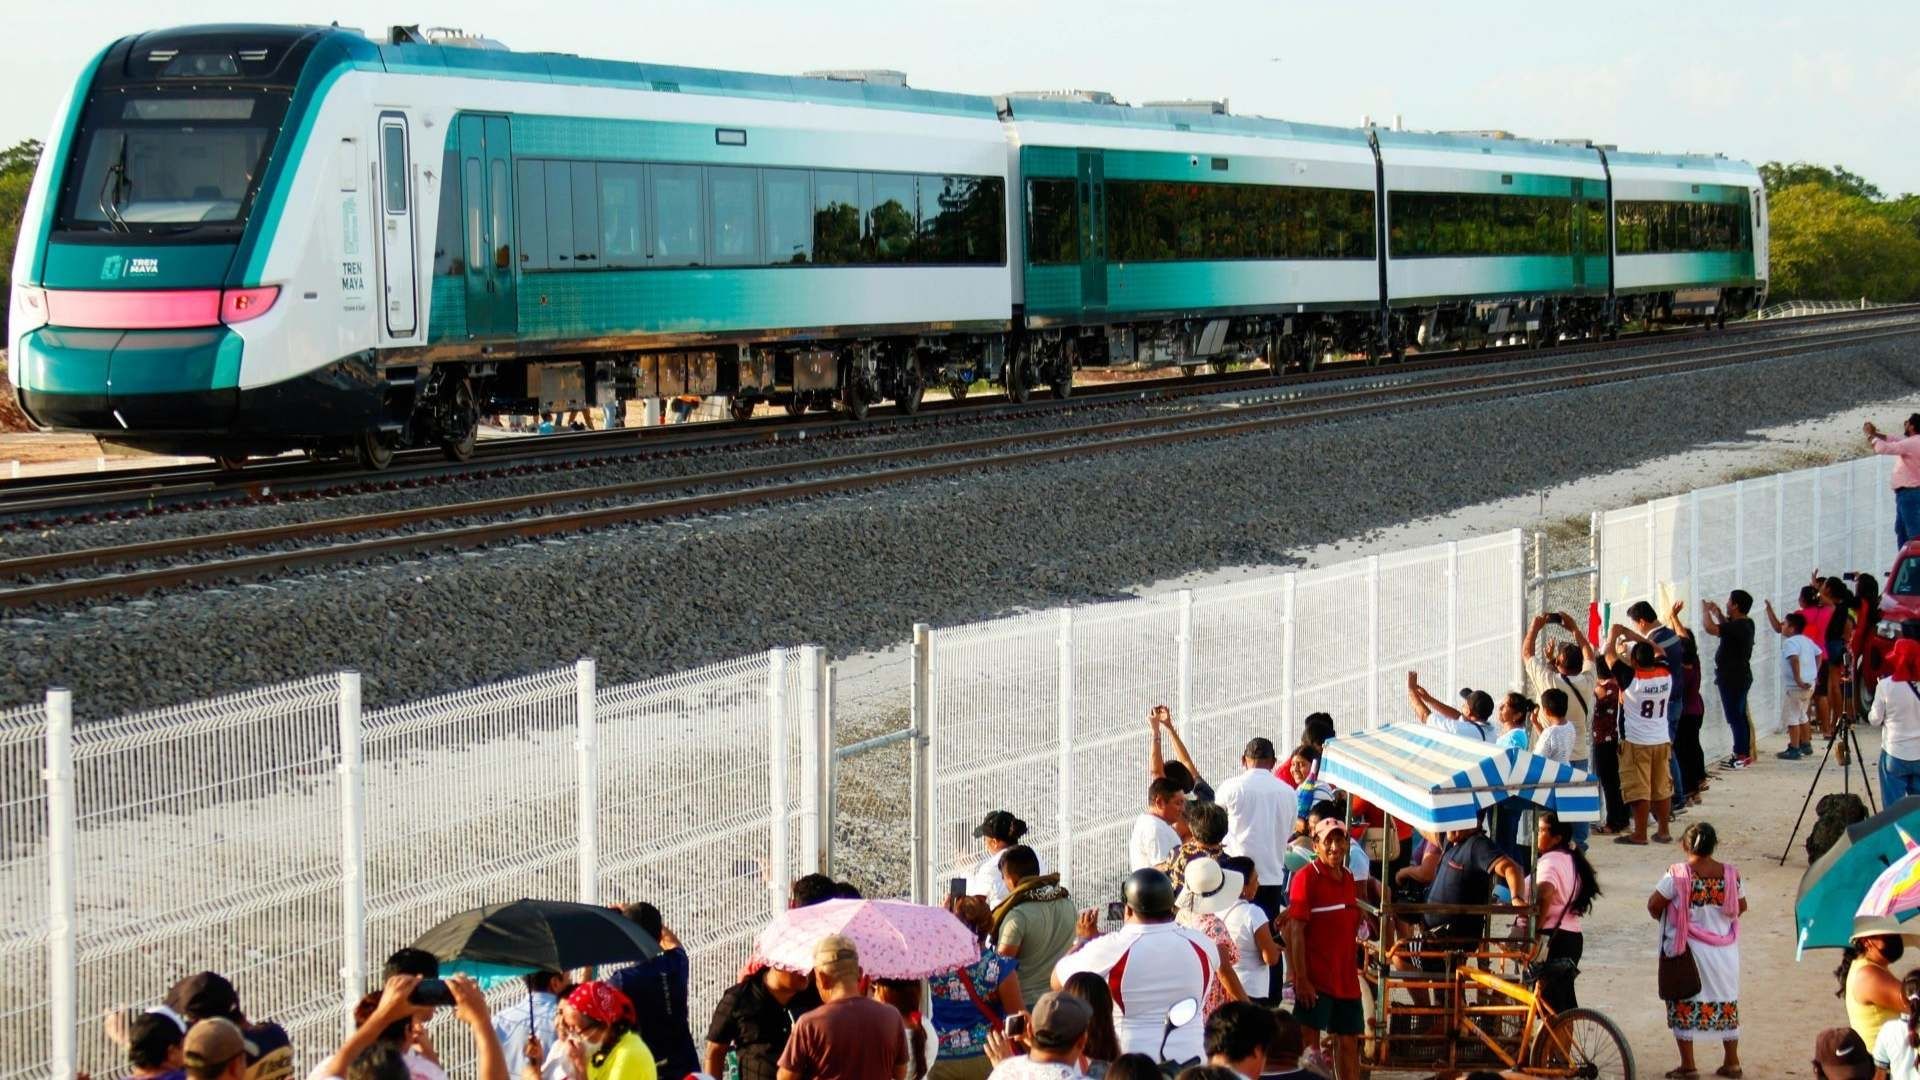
<point>1767,536</point>
<point>281,838</point>
<point>1045,715</point>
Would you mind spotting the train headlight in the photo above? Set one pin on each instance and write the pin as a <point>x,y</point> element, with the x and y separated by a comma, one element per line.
<point>29,308</point>
<point>240,305</point>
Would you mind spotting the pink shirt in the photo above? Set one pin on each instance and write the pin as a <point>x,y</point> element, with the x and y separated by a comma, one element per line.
<point>1906,470</point>
<point>1556,869</point>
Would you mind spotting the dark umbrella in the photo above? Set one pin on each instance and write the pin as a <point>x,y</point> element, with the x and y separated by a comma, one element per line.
<point>536,935</point>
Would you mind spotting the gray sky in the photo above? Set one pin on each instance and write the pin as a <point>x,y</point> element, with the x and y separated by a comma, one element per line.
<point>1827,82</point>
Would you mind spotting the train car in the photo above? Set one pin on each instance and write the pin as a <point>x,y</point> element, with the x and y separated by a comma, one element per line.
<point>248,239</point>
<point>1493,239</point>
<point>1690,237</point>
<point>1155,236</point>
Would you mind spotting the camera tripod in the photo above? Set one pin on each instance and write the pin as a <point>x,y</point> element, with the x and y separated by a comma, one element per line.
<point>1844,734</point>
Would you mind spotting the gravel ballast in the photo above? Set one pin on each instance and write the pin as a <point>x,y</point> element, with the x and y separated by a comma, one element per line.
<point>854,572</point>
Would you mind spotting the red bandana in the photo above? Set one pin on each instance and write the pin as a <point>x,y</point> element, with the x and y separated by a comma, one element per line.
<point>601,1003</point>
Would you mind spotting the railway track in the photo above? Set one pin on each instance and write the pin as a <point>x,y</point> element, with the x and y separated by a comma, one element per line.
<point>42,501</point>
<point>526,516</point>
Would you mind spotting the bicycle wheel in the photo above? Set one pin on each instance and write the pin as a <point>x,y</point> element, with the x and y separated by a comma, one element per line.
<point>1581,1043</point>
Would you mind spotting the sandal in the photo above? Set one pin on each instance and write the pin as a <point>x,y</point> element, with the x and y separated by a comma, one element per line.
<point>1734,1073</point>
<point>1629,840</point>
<point>1678,1073</point>
<point>1663,839</point>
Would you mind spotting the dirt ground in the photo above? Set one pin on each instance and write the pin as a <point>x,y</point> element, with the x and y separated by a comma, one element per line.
<point>1783,1003</point>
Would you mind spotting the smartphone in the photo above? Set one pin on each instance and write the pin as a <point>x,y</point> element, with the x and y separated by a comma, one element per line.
<point>1016,1026</point>
<point>432,992</point>
<point>957,886</point>
<point>1116,911</point>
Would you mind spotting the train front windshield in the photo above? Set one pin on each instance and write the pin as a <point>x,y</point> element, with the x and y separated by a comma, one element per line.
<point>169,162</point>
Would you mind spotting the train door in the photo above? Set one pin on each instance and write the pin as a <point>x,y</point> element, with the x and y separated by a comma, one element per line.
<point>486,200</point>
<point>1577,235</point>
<point>397,248</point>
<point>1093,233</point>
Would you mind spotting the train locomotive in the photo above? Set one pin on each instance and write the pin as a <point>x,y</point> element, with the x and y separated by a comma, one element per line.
<point>245,240</point>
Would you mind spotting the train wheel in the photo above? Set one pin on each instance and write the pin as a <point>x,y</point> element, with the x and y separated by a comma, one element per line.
<point>916,388</point>
<point>1584,1043</point>
<point>856,402</point>
<point>957,389</point>
<point>230,462</point>
<point>372,451</point>
<point>1062,385</point>
<point>796,405</point>
<point>1019,383</point>
<point>741,408</point>
<point>459,423</point>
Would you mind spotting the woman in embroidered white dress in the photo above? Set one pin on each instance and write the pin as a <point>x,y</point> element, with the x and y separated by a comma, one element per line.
<point>1699,903</point>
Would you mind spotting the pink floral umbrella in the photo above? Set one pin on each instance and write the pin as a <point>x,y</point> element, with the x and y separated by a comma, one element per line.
<point>896,939</point>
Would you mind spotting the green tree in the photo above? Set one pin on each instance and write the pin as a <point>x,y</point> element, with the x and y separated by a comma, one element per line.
<point>17,163</point>
<point>1829,244</point>
<point>1777,177</point>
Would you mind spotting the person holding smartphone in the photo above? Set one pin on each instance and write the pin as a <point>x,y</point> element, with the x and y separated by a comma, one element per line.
<point>397,1007</point>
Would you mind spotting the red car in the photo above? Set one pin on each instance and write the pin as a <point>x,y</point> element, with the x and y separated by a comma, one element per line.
<point>1899,603</point>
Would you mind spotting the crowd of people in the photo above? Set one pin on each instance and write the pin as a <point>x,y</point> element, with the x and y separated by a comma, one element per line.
<point>1244,897</point>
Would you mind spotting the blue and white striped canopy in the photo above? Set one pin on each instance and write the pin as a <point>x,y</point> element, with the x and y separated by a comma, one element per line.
<point>1438,781</point>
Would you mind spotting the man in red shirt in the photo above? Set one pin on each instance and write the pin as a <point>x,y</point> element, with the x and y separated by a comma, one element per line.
<point>1323,918</point>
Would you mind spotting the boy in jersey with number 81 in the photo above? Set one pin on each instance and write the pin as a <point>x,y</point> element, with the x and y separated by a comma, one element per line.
<point>1644,740</point>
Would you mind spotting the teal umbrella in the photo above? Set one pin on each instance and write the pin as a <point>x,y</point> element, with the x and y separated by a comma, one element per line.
<point>1832,888</point>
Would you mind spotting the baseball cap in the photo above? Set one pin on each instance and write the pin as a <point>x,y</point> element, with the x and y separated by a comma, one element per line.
<point>197,997</point>
<point>1059,1019</point>
<point>213,1042</point>
<point>1327,825</point>
<point>836,956</point>
<point>1001,825</point>
<point>1840,1054</point>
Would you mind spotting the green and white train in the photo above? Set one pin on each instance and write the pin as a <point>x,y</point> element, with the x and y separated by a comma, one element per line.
<point>248,239</point>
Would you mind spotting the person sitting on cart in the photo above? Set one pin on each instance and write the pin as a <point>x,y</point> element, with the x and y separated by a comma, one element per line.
<point>1469,863</point>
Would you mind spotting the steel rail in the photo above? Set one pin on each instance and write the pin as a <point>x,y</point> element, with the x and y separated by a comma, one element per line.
<point>1126,435</point>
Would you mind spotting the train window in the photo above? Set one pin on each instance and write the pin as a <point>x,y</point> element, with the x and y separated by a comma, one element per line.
<point>586,217</point>
<point>836,217</point>
<point>962,220</point>
<point>559,193</point>
<point>393,166</point>
<point>787,210</point>
<point>733,199</point>
<point>891,226</point>
<point>501,221</point>
<point>447,258</point>
<point>476,190</point>
<point>1053,223</point>
<point>533,214</point>
<point>623,218</point>
<point>677,216</point>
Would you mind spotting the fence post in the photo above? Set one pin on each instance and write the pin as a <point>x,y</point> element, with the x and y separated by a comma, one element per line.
<point>1780,539</point>
<point>1653,575</point>
<point>1373,641</point>
<point>1819,519</point>
<point>1537,578</point>
<point>1183,684</point>
<point>829,762</point>
<point>1693,554</point>
<point>919,766</point>
<point>1853,562</point>
<point>779,873</point>
<point>1519,607</point>
<point>810,720</point>
<point>1289,736</point>
<point>586,749</point>
<point>63,954</point>
<point>1453,613</point>
<point>353,851</point>
<point>1064,813</point>
<point>1739,533</point>
<point>1596,549</point>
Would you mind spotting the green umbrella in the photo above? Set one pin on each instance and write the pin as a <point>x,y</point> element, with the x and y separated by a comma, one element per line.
<point>1832,888</point>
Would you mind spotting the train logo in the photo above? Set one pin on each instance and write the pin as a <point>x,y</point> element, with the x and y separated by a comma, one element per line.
<point>113,268</point>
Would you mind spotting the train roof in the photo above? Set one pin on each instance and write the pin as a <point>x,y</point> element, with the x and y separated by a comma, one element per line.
<point>1161,118</point>
<point>356,49</point>
<point>1499,146</point>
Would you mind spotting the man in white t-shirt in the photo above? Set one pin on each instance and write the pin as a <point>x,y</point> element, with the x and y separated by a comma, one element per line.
<point>1154,840</point>
<point>1799,662</point>
<point>1150,964</point>
<point>1474,723</point>
<point>1646,782</point>
<point>1260,814</point>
